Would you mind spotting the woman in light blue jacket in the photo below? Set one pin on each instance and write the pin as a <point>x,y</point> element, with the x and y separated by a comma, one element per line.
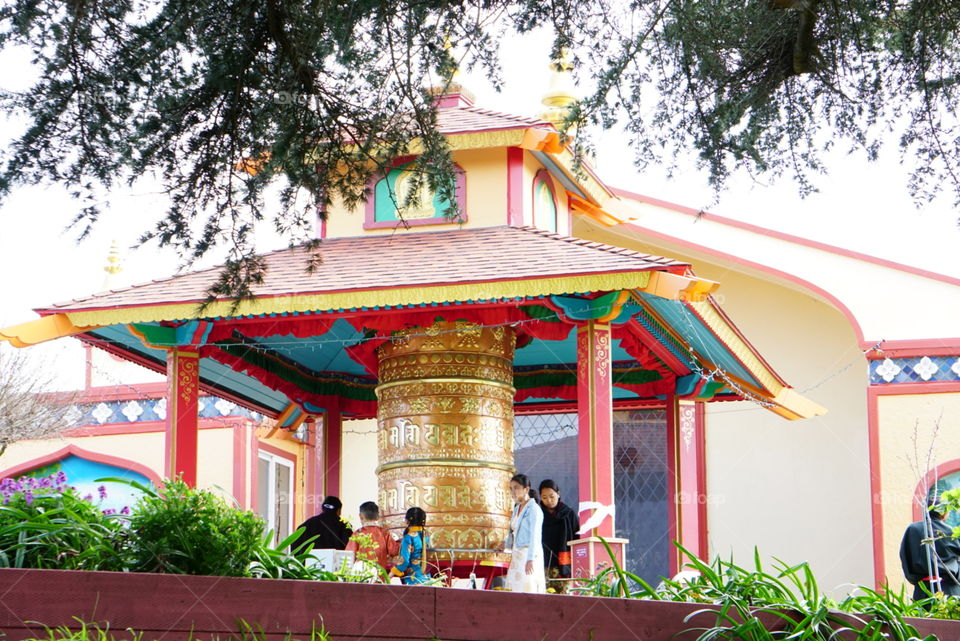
<point>525,540</point>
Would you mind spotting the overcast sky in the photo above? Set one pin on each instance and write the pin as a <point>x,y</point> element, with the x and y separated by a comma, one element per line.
<point>861,206</point>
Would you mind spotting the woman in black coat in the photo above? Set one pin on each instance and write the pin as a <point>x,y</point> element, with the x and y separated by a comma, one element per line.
<point>325,530</point>
<point>560,524</point>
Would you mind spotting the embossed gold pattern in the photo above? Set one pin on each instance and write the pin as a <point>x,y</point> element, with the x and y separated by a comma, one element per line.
<point>445,437</point>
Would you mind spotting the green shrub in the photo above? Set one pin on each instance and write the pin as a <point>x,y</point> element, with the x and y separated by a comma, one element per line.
<point>183,530</point>
<point>44,524</point>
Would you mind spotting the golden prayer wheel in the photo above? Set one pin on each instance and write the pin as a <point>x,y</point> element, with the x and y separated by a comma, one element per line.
<point>445,432</point>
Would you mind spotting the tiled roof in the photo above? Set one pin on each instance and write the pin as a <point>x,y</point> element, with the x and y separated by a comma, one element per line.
<point>490,254</point>
<point>466,119</point>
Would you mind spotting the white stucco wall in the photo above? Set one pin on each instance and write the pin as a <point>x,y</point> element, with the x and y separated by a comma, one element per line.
<point>864,287</point>
<point>358,476</point>
<point>797,490</point>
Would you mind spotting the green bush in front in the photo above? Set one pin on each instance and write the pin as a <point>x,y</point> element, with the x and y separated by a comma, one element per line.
<point>184,530</point>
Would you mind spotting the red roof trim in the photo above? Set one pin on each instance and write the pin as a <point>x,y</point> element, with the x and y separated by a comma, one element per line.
<point>833,249</point>
<point>819,291</point>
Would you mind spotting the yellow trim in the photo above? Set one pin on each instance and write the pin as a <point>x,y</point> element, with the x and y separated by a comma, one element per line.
<point>578,205</point>
<point>286,413</point>
<point>43,329</point>
<point>793,406</point>
<point>595,189</point>
<point>676,287</point>
<point>532,138</point>
<point>737,345</point>
<point>365,298</point>
<point>542,140</point>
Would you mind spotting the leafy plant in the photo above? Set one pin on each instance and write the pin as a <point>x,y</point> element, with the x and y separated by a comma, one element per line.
<point>185,530</point>
<point>86,632</point>
<point>785,603</point>
<point>44,523</point>
<point>275,562</point>
<point>93,632</point>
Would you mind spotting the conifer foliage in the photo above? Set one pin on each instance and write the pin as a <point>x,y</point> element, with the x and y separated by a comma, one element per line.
<point>221,98</point>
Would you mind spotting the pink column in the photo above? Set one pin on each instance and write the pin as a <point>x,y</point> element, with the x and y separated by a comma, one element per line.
<point>183,392</point>
<point>595,446</point>
<point>332,451</point>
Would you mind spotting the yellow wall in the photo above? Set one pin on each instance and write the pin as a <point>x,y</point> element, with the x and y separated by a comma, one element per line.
<point>906,427</point>
<point>358,475</point>
<point>486,176</point>
<point>798,490</point>
<point>146,449</point>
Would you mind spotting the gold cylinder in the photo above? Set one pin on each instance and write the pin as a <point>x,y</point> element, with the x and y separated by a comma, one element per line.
<point>445,432</point>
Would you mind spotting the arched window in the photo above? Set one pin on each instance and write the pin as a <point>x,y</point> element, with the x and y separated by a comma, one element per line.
<point>82,469</point>
<point>544,202</point>
<point>950,480</point>
<point>389,192</point>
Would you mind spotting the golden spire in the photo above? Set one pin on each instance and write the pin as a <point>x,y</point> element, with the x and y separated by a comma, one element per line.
<point>562,91</point>
<point>448,47</point>
<point>113,267</point>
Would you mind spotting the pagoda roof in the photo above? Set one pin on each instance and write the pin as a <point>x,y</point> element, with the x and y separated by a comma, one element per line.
<point>383,271</point>
<point>468,119</point>
<point>306,341</point>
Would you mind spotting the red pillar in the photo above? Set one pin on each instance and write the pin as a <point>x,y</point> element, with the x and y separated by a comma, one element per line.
<point>595,445</point>
<point>183,392</point>
<point>313,454</point>
<point>332,451</point>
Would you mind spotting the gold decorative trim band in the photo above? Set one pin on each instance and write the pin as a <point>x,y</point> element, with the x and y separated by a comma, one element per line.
<point>474,381</point>
<point>294,302</point>
<point>446,462</point>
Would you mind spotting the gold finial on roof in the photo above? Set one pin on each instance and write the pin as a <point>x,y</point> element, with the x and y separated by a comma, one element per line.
<point>451,93</point>
<point>113,266</point>
<point>562,91</point>
<point>449,48</point>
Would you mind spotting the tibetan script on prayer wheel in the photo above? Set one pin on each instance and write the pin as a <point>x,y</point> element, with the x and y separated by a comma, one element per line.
<point>445,431</point>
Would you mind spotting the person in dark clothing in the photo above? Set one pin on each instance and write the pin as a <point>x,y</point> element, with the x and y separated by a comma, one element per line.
<point>919,567</point>
<point>560,524</point>
<point>330,531</point>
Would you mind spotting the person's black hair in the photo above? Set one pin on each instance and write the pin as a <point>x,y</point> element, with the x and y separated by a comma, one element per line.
<point>331,504</point>
<point>415,517</point>
<point>549,484</point>
<point>369,511</point>
<point>521,479</point>
<point>534,495</point>
<point>934,506</point>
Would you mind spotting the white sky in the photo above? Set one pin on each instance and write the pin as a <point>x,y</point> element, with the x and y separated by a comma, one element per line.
<point>861,206</point>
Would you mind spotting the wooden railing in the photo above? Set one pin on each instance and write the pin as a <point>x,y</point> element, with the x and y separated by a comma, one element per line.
<point>176,608</point>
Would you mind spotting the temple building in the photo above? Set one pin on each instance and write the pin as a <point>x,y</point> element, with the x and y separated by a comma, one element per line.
<point>717,384</point>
